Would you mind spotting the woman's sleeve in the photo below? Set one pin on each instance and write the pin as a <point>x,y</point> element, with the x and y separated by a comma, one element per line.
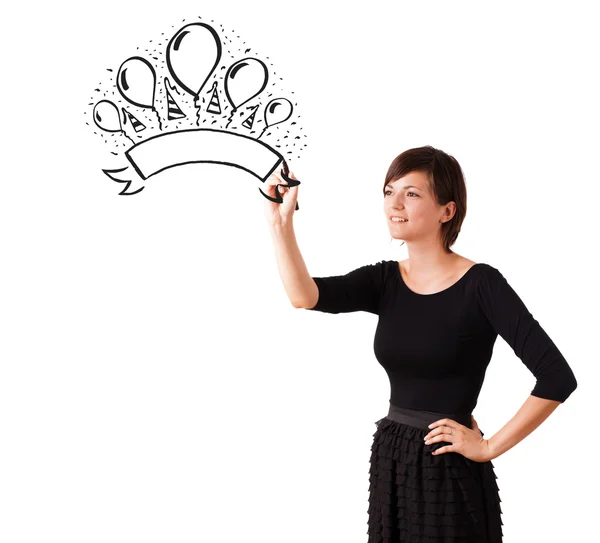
<point>358,290</point>
<point>509,317</point>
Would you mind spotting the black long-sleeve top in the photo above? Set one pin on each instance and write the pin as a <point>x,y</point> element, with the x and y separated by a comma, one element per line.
<point>436,347</point>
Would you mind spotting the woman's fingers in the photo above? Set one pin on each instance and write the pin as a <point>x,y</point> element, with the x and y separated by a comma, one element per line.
<point>271,182</point>
<point>275,179</point>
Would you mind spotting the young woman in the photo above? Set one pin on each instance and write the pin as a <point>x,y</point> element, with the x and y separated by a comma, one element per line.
<point>431,471</point>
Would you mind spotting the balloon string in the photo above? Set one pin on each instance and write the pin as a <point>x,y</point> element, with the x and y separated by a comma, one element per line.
<point>197,105</point>
<point>231,117</point>
<point>125,134</point>
<point>264,130</point>
<point>158,117</point>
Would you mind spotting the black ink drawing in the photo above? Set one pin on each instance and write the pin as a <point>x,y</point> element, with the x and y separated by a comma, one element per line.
<point>136,82</point>
<point>166,129</point>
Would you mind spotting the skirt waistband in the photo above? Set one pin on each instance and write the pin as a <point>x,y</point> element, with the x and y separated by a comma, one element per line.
<point>422,419</point>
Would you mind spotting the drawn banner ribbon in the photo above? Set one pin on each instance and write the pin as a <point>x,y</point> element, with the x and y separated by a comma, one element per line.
<point>196,145</point>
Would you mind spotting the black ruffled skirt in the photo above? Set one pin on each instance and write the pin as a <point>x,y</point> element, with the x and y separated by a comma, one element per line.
<point>418,497</point>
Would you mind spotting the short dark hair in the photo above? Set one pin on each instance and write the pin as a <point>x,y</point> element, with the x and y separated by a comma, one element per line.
<point>446,179</point>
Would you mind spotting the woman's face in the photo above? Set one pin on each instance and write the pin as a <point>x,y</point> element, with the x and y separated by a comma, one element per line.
<point>411,197</point>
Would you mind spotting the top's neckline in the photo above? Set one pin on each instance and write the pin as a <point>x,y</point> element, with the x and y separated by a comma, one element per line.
<point>453,285</point>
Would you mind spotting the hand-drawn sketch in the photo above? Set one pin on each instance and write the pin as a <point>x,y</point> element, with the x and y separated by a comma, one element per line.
<point>165,122</point>
<point>136,81</point>
<point>193,54</point>
<point>244,80</point>
<point>106,116</point>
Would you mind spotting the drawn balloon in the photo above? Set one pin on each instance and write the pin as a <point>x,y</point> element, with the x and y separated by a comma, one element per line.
<point>136,81</point>
<point>277,111</point>
<point>244,80</point>
<point>193,54</point>
<point>106,116</point>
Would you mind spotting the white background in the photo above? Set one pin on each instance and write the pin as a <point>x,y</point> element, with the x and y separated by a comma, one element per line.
<point>155,382</point>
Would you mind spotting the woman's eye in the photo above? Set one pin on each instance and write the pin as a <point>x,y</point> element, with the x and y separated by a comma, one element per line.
<point>410,192</point>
